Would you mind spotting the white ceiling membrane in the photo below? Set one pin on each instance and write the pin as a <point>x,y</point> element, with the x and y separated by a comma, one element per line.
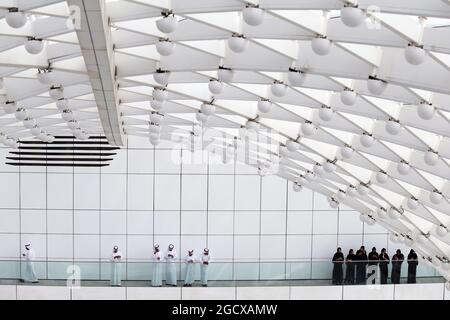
<point>348,98</point>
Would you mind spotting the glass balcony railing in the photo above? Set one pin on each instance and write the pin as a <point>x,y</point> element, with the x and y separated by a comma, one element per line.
<point>230,272</point>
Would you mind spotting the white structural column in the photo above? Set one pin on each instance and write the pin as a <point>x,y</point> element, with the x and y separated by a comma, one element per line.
<point>94,36</point>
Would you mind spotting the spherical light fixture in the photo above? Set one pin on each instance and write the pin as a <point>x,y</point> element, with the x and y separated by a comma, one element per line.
<point>403,168</point>
<point>225,75</point>
<point>10,107</point>
<point>215,87</point>
<point>394,214</point>
<point>370,221</point>
<point>362,189</point>
<point>237,44</point>
<point>412,203</point>
<point>292,145</point>
<point>426,111</point>
<point>264,106</point>
<point>318,170</point>
<point>351,191</point>
<point>35,131</point>
<point>29,123</point>
<point>161,77</point>
<point>45,76</point>
<point>381,213</point>
<point>381,177</point>
<point>352,16</point>
<point>278,89</point>
<point>415,55</point>
<point>321,46</point>
<point>431,158</point>
<point>333,203</point>
<point>56,93</point>
<point>154,128</point>
<point>367,140</point>
<point>310,176</point>
<point>12,143</point>
<point>326,113</point>
<point>201,117</point>
<point>307,128</point>
<point>253,16</point>
<point>16,19</point>
<point>20,114</point>
<point>296,187</point>
<point>167,24</point>
<point>348,97</point>
<point>393,127</point>
<point>394,238</point>
<point>208,109</point>
<point>329,167</point>
<point>341,195</point>
<point>67,115</point>
<point>252,126</point>
<point>72,124</point>
<point>34,46</point>
<point>346,152</point>
<point>61,104</point>
<point>441,231</point>
<point>157,105</point>
<point>160,95</point>
<point>296,78</point>
<point>156,118</point>
<point>376,86</point>
<point>165,47</point>
<point>301,180</point>
<point>436,197</point>
<point>422,238</point>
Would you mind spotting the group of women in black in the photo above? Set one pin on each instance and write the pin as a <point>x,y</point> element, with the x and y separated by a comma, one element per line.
<point>361,266</point>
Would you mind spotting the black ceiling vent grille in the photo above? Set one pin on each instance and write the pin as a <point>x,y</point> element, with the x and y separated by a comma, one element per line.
<point>65,151</point>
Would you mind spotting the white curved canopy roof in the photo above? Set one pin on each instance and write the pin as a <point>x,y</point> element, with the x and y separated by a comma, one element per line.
<point>390,139</point>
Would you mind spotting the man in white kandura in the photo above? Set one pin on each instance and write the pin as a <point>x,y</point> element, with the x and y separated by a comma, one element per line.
<point>116,258</point>
<point>171,266</point>
<point>29,273</point>
<point>204,267</point>
<point>190,260</point>
<point>157,266</point>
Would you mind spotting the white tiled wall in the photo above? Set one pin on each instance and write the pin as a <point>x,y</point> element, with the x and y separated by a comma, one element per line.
<point>145,197</point>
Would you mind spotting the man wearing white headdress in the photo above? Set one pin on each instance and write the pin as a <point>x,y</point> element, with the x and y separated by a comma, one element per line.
<point>116,258</point>
<point>157,266</point>
<point>29,274</point>
<point>205,259</point>
<point>171,267</point>
<point>190,260</point>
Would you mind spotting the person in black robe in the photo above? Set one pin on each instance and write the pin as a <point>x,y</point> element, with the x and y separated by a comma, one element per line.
<point>373,261</point>
<point>384,261</point>
<point>361,263</point>
<point>350,268</point>
<point>397,260</point>
<point>413,261</point>
<point>338,261</point>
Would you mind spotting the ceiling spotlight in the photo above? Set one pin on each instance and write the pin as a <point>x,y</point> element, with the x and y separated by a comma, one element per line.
<point>160,95</point>
<point>264,106</point>
<point>403,168</point>
<point>348,97</point>
<point>215,87</point>
<point>393,127</point>
<point>67,115</point>
<point>296,77</point>
<point>201,117</point>
<point>167,24</point>
<point>292,145</point>
<point>45,76</point>
<point>10,107</point>
<point>56,93</point>
<point>35,131</point>
<point>296,187</point>
<point>426,111</point>
<point>157,105</point>
<point>376,86</point>
<point>436,197</point>
<point>225,74</point>
<point>278,89</point>
<point>431,158</point>
<point>253,16</point>
<point>34,46</point>
<point>415,55</point>
<point>318,170</point>
<point>352,16</point>
<point>382,177</point>
<point>412,203</point>
<point>321,46</point>
<point>326,113</point>
<point>161,77</point>
<point>329,167</point>
<point>346,152</point>
<point>16,19</point>
<point>307,128</point>
<point>394,214</point>
<point>208,109</point>
<point>21,114</point>
<point>29,123</point>
<point>237,43</point>
<point>367,140</point>
<point>165,47</point>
